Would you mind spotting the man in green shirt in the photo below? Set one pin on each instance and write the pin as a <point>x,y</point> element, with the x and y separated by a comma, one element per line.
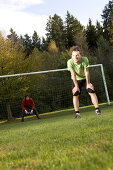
<point>78,66</point>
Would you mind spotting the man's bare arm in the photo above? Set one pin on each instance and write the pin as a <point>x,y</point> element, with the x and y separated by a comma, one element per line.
<point>88,84</point>
<point>87,75</point>
<point>76,88</point>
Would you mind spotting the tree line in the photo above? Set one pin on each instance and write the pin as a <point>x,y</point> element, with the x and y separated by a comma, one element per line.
<point>26,53</point>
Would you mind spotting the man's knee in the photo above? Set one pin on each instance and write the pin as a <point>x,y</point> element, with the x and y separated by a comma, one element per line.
<point>90,90</point>
<point>77,93</point>
<point>35,110</point>
<point>23,111</point>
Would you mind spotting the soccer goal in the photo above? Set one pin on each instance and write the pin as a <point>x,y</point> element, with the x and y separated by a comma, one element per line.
<point>51,90</point>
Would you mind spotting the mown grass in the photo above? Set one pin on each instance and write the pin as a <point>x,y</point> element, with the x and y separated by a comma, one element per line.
<point>59,141</point>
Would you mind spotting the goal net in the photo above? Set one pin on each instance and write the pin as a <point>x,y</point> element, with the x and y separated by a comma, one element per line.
<point>51,90</point>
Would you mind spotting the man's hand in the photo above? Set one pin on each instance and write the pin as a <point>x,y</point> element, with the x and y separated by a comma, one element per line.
<point>90,86</point>
<point>31,111</point>
<point>26,111</point>
<point>75,89</point>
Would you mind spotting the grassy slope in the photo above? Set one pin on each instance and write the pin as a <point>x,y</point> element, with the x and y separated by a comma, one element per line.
<point>59,142</point>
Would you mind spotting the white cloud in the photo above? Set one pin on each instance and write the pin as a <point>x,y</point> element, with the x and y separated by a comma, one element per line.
<point>27,2</point>
<point>19,4</point>
<point>22,22</point>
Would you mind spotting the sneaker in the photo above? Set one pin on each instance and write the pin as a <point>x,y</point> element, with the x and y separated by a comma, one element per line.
<point>22,120</point>
<point>77,115</point>
<point>38,117</point>
<point>98,112</point>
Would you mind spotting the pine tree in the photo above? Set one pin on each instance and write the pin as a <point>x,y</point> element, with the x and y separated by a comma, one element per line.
<point>107,20</point>
<point>55,31</point>
<point>91,36</point>
<point>36,41</point>
<point>111,33</point>
<point>27,43</point>
<point>99,29</point>
<point>72,28</point>
<point>13,36</point>
<point>44,44</point>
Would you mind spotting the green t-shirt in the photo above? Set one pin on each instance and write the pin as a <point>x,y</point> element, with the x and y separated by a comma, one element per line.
<point>78,68</point>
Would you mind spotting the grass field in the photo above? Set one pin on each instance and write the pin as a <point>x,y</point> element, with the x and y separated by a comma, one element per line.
<point>58,141</point>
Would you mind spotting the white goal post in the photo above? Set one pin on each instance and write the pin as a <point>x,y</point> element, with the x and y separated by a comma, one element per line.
<point>104,81</point>
<point>58,70</point>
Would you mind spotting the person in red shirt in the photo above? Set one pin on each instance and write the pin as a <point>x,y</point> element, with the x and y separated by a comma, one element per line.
<point>28,103</point>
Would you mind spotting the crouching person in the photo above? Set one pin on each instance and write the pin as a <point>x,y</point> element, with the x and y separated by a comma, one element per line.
<point>28,103</point>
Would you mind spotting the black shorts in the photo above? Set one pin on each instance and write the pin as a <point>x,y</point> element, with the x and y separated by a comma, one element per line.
<point>82,86</point>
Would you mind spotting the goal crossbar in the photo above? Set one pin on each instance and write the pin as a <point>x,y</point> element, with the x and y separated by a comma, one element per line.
<point>31,73</point>
<point>40,72</point>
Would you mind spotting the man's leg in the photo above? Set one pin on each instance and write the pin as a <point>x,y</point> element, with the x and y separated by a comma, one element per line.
<point>94,100</point>
<point>23,112</point>
<point>76,103</point>
<point>76,100</point>
<point>36,112</point>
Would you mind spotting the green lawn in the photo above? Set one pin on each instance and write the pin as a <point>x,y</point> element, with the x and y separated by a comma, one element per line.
<point>59,141</point>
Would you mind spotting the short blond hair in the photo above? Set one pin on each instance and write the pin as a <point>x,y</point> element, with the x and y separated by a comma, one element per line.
<point>75,48</point>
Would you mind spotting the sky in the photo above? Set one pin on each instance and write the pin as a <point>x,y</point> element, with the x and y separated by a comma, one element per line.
<point>25,16</point>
